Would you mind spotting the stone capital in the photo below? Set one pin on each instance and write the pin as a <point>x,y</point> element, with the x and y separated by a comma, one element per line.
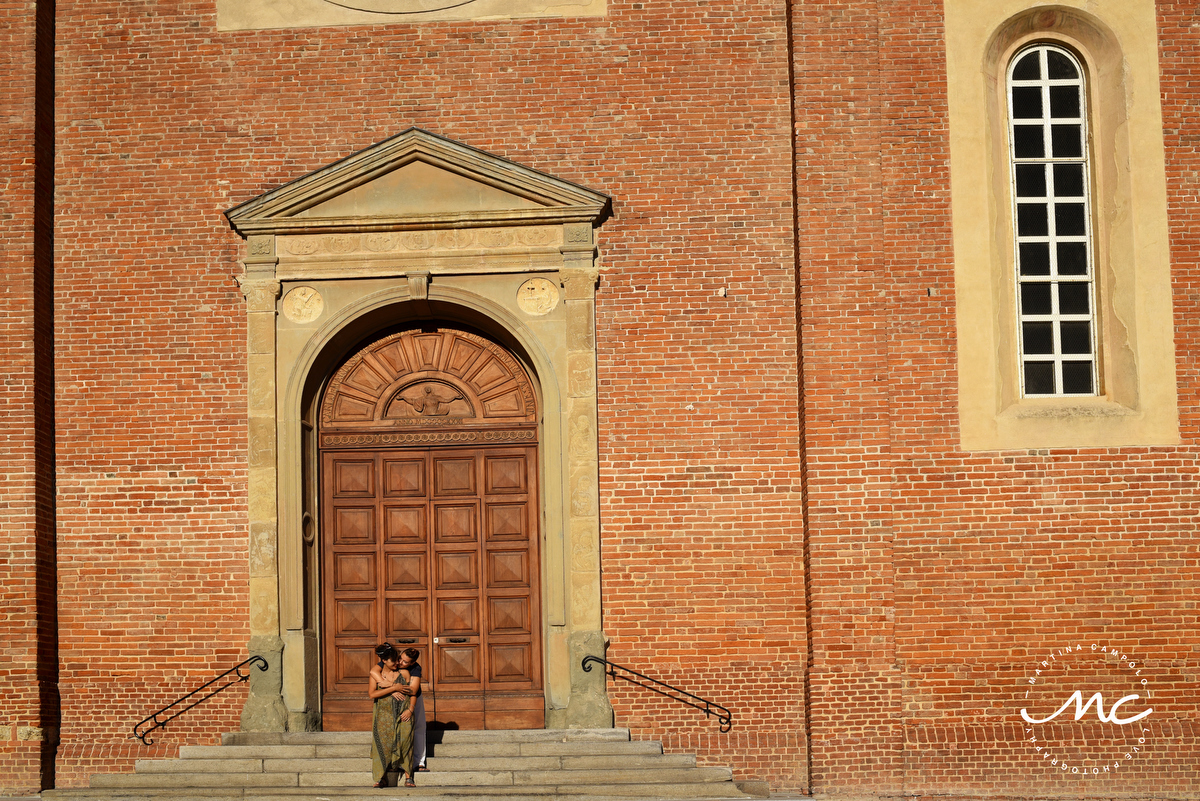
<point>579,283</point>
<point>260,293</point>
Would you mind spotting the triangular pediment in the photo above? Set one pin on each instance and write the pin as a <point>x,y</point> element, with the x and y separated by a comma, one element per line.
<point>417,180</point>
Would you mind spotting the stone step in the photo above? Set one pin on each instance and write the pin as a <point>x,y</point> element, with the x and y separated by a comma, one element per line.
<point>205,753</point>
<point>446,736</point>
<point>197,765</point>
<point>602,792</point>
<point>254,751</point>
<point>589,762</point>
<point>182,780</point>
<point>296,738</point>
<point>540,765</point>
<point>242,753</point>
<point>615,748</point>
<point>531,736</point>
<point>358,763</point>
<point>320,751</point>
<point>463,778</point>
<point>561,777</point>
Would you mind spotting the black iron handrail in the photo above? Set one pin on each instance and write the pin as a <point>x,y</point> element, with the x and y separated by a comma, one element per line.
<point>709,708</point>
<point>236,669</point>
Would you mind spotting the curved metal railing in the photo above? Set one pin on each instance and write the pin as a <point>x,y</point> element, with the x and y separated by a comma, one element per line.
<point>709,708</point>
<point>239,677</point>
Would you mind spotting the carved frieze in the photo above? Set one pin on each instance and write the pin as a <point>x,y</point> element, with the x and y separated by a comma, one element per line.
<point>452,240</point>
<point>384,439</point>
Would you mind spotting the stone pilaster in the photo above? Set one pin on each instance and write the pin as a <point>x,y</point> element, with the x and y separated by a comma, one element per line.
<point>589,706</point>
<point>264,710</point>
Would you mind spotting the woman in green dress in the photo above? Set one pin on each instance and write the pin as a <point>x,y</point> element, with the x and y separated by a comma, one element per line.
<point>391,719</point>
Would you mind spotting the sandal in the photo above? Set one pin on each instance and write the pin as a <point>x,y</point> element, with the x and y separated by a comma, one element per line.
<point>408,782</point>
<point>422,769</point>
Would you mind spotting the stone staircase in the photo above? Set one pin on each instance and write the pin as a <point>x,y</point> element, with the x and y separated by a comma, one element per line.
<point>527,765</point>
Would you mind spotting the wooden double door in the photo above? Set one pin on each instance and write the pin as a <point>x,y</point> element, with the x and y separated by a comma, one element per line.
<point>434,549</point>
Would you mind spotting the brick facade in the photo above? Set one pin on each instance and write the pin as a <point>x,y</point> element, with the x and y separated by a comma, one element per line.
<point>789,525</point>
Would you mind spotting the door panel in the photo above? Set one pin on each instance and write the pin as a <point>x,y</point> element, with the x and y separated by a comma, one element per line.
<point>458,665</point>
<point>457,571</point>
<point>508,569</point>
<point>404,478</point>
<point>456,521</point>
<point>403,524</point>
<point>508,616</point>
<point>506,521</point>
<point>509,663</point>
<point>354,478</point>
<point>354,665</point>
<point>354,525</point>
<point>355,618</point>
<point>453,476</point>
<point>434,549</point>
<point>406,571</point>
<point>505,474</point>
<point>407,619</point>
<point>354,571</point>
<point>459,616</point>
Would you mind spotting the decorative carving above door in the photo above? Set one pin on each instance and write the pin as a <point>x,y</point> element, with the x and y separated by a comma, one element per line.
<point>429,378</point>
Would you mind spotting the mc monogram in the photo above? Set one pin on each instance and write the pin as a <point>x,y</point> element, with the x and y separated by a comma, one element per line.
<point>1081,709</point>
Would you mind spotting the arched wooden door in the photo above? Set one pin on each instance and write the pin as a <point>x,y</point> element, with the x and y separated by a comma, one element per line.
<point>429,534</point>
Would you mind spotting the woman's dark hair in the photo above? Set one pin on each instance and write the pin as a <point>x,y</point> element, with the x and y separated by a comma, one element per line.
<point>386,651</point>
<point>412,653</point>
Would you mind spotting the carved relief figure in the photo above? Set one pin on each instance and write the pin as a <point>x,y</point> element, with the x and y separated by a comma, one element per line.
<point>431,399</point>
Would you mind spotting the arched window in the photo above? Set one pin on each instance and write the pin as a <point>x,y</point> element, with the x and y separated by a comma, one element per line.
<point>1056,297</point>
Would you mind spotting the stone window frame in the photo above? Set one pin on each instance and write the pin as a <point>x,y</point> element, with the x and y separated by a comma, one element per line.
<point>1118,50</point>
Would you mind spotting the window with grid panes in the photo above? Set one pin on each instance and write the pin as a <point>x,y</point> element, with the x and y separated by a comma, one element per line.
<point>1055,279</point>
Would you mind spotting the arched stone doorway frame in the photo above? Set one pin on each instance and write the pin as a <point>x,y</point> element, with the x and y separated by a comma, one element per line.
<point>338,256</point>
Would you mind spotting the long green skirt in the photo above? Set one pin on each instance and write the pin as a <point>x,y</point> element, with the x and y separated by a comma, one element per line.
<point>392,743</point>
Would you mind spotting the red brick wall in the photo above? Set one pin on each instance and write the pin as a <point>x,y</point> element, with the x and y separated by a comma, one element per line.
<point>939,578</point>
<point>935,577</point>
<point>700,471</point>
<point>680,113</point>
<point>153,563</point>
<point>18,669</point>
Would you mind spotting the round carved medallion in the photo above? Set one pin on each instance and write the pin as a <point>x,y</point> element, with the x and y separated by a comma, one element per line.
<point>303,304</point>
<point>537,296</point>
<point>399,6</point>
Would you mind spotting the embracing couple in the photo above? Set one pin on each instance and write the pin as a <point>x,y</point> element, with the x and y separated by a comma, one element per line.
<point>398,718</point>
